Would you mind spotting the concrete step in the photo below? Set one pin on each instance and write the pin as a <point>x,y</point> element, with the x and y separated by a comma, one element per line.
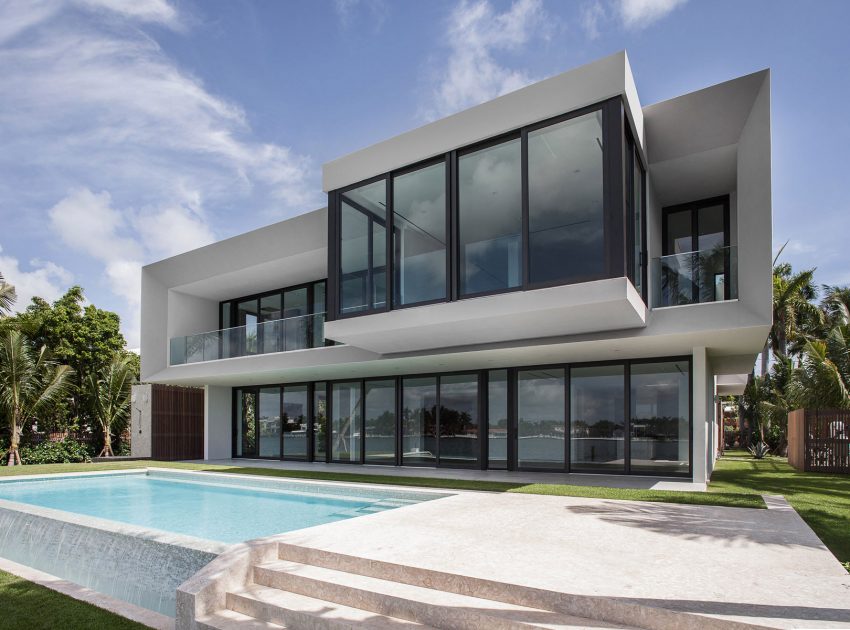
<point>302,612</point>
<point>420,604</point>
<point>232,620</point>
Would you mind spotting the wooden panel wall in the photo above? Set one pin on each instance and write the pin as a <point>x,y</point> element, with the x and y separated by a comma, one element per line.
<point>177,422</point>
<point>797,439</point>
<point>828,440</point>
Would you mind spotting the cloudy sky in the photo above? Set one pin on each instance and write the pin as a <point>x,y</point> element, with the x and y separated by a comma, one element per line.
<point>132,130</point>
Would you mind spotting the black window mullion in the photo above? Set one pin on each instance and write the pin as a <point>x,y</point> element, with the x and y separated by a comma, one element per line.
<point>280,415</point>
<point>437,424</point>
<point>567,420</point>
<point>483,419</point>
<point>627,418</point>
<point>389,256</point>
<point>362,427</point>
<point>452,197</point>
<point>512,419</point>
<point>524,245</point>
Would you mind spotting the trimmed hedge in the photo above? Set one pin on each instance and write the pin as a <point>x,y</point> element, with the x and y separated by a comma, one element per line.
<point>64,452</point>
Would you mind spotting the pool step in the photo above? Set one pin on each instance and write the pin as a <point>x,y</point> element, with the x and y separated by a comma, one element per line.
<point>232,620</point>
<point>418,604</point>
<point>293,610</point>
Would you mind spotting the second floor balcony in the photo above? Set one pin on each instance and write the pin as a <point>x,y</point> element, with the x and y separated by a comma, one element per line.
<point>279,335</point>
<point>709,275</point>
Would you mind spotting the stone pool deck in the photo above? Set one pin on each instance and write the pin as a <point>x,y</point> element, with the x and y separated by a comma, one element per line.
<point>762,568</point>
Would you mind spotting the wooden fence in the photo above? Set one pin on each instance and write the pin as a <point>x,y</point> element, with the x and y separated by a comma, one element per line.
<point>177,422</point>
<point>819,440</point>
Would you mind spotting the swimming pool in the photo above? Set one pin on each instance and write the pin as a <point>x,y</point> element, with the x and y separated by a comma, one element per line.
<point>137,535</point>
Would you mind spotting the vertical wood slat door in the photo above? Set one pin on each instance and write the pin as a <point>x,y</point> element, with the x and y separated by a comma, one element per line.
<point>177,422</point>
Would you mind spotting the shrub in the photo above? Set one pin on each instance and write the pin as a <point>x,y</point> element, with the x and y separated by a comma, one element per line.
<point>64,452</point>
<point>760,450</point>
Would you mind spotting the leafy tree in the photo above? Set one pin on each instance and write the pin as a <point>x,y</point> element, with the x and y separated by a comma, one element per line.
<point>795,317</point>
<point>30,382</point>
<point>8,297</point>
<point>110,393</point>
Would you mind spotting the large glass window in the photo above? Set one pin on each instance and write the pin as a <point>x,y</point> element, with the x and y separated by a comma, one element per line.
<point>490,218</point>
<point>320,422</point>
<point>419,420</point>
<point>317,322</point>
<point>565,213</point>
<point>459,443</point>
<point>270,422</point>
<point>347,422</point>
<point>247,316</point>
<point>636,211</point>
<point>295,422</point>
<point>660,418</point>
<point>540,418</point>
<point>246,434</point>
<point>363,220</point>
<point>269,332</point>
<point>497,419</point>
<point>295,309</point>
<point>380,426</point>
<point>597,399</point>
<point>419,235</point>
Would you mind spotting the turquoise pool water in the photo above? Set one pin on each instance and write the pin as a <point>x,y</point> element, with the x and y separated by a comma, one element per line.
<point>221,509</point>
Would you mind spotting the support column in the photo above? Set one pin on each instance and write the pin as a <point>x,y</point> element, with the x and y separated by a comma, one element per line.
<point>703,401</point>
<point>218,422</point>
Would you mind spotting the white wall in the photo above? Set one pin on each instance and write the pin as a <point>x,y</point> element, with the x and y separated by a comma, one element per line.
<point>154,337</point>
<point>140,421</point>
<point>217,422</point>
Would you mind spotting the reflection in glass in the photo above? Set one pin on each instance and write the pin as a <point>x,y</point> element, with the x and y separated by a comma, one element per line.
<point>347,422</point>
<point>419,235</point>
<point>380,426</point>
<point>597,396</point>
<point>363,216</point>
<point>565,219</point>
<point>248,431</point>
<point>540,418</point>
<point>269,422</point>
<point>637,219</point>
<point>295,306</point>
<point>320,422</point>
<point>419,420</point>
<point>660,420</point>
<point>270,332</point>
<point>459,443</point>
<point>247,314</point>
<point>490,218</point>
<point>295,422</point>
<point>497,420</point>
<point>318,323</point>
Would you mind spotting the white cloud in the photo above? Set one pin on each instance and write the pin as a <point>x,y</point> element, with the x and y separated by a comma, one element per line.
<point>44,279</point>
<point>476,32</point>
<point>592,14</point>
<point>638,14</point>
<point>173,230</point>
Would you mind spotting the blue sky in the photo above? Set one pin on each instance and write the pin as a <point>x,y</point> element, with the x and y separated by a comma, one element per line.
<point>135,130</point>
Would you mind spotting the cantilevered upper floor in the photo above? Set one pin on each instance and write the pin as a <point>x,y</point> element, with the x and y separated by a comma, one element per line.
<point>563,221</point>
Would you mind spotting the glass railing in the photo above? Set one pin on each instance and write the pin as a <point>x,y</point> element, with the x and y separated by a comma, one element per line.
<point>709,275</point>
<point>279,335</point>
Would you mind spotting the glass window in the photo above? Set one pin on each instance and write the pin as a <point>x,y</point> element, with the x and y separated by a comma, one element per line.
<point>679,239</point>
<point>497,420</point>
<point>597,396</point>
<point>269,331</point>
<point>490,218</point>
<point>295,307</point>
<point>347,422</point>
<point>295,422</point>
<point>225,315</point>
<point>419,420</point>
<point>247,440</point>
<point>637,222</point>
<point>419,235</point>
<point>459,443</point>
<point>270,422</point>
<point>363,216</point>
<point>247,316</point>
<point>565,219</point>
<point>660,417</point>
<point>540,418</point>
<point>380,426</point>
<point>318,319</point>
<point>320,422</point>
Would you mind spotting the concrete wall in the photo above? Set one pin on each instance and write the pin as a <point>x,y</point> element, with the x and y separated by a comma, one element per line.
<point>140,420</point>
<point>218,412</point>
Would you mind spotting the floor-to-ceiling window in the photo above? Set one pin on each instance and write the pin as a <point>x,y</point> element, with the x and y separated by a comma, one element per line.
<point>490,218</point>
<point>362,238</point>
<point>346,422</point>
<point>419,235</point>
<point>566,230</point>
<point>597,418</point>
<point>458,420</point>
<point>380,422</point>
<point>419,420</point>
<point>320,421</point>
<point>295,407</point>
<point>660,417</point>
<point>246,418</point>
<point>541,418</point>
<point>269,419</point>
<point>497,419</point>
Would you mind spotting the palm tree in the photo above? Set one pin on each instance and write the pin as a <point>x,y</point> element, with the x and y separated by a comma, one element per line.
<point>7,297</point>
<point>794,314</point>
<point>111,391</point>
<point>30,382</point>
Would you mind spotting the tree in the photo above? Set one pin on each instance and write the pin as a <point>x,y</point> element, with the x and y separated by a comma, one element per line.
<point>8,297</point>
<point>110,394</point>
<point>795,317</point>
<point>30,382</point>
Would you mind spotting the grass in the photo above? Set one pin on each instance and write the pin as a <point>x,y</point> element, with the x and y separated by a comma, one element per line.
<point>728,499</point>
<point>24,604</point>
<point>822,500</point>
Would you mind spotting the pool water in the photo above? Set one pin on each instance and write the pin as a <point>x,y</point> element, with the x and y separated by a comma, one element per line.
<point>218,509</point>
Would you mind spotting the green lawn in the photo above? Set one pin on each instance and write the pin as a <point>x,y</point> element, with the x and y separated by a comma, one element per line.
<point>822,500</point>
<point>27,605</point>
<point>730,499</point>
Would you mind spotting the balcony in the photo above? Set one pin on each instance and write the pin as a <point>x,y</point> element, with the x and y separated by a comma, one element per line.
<point>279,335</point>
<point>709,275</point>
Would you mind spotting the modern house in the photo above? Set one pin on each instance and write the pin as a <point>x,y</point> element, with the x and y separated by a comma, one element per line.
<point>560,279</point>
